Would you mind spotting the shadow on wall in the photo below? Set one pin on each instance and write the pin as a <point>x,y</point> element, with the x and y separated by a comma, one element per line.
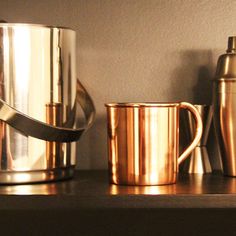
<point>192,83</point>
<point>92,147</point>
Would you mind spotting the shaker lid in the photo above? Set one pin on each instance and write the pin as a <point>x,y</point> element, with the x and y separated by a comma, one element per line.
<point>231,44</point>
<point>226,65</point>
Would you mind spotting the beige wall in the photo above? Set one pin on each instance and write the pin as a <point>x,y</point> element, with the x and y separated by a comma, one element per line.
<point>136,50</point>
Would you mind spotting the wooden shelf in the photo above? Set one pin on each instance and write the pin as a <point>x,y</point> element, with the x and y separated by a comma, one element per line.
<point>88,205</point>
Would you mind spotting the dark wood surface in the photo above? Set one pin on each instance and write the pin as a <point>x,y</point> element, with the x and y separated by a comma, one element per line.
<point>90,189</point>
<point>89,205</point>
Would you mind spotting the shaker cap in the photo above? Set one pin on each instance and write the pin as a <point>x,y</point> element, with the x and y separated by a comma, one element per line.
<point>226,65</point>
<point>231,44</point>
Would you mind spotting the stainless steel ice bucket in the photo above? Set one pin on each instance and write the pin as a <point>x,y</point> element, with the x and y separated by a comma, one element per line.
<point>38,96</point>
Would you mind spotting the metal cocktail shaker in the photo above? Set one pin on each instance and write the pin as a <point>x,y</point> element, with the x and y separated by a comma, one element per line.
<point>224,99</point>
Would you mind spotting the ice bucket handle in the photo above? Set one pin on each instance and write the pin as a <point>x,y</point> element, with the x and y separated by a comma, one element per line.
<point>37,129</point>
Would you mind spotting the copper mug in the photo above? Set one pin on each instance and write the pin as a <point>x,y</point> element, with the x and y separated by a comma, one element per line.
<point>143,142</point>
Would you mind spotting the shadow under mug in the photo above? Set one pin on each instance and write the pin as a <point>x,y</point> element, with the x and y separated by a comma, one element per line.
<point>143,142</point>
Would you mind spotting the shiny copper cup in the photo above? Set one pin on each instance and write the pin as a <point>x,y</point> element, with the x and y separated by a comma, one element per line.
<point>143,142</point>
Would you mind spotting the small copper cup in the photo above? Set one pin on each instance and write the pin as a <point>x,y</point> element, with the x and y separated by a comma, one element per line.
<point>143,142</point>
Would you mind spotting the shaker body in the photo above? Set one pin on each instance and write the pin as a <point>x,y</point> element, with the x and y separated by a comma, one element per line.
<point>224,105</point>
<point>225,123</point>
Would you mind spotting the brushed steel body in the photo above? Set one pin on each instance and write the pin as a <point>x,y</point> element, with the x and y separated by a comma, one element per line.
<point>143,142</point>
<point>224,99</point>
<point>199,160</point>
<point>38,96</point>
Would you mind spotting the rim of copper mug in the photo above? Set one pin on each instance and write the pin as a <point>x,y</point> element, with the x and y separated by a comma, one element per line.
<point>143,104</point>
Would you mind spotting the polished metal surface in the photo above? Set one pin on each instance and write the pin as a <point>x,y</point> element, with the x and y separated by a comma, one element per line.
<point>24,177</point>
<point>199,159</point>
<point>231,45</point>
<point>37,129</point>
<point>143,142</point>
<point>198,162</point>
<point>224,99</point>
<point>38,96</point>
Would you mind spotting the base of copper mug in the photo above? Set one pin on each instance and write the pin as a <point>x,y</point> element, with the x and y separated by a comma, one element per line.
<point>134,184</point>
<point>36,176</point>
<point>141,181</point>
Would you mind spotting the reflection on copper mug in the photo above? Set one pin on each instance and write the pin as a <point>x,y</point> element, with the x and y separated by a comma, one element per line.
<point>143,142</point>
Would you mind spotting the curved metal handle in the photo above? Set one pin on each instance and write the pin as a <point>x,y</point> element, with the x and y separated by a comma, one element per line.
<point>37,129</point>
<point>198,132</point>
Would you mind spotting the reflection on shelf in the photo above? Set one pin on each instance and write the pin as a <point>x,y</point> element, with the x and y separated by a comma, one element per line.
<point>95,184</point>
<point>187,184</point>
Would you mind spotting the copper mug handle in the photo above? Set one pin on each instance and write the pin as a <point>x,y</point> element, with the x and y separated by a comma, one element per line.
<point>198,132</point>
